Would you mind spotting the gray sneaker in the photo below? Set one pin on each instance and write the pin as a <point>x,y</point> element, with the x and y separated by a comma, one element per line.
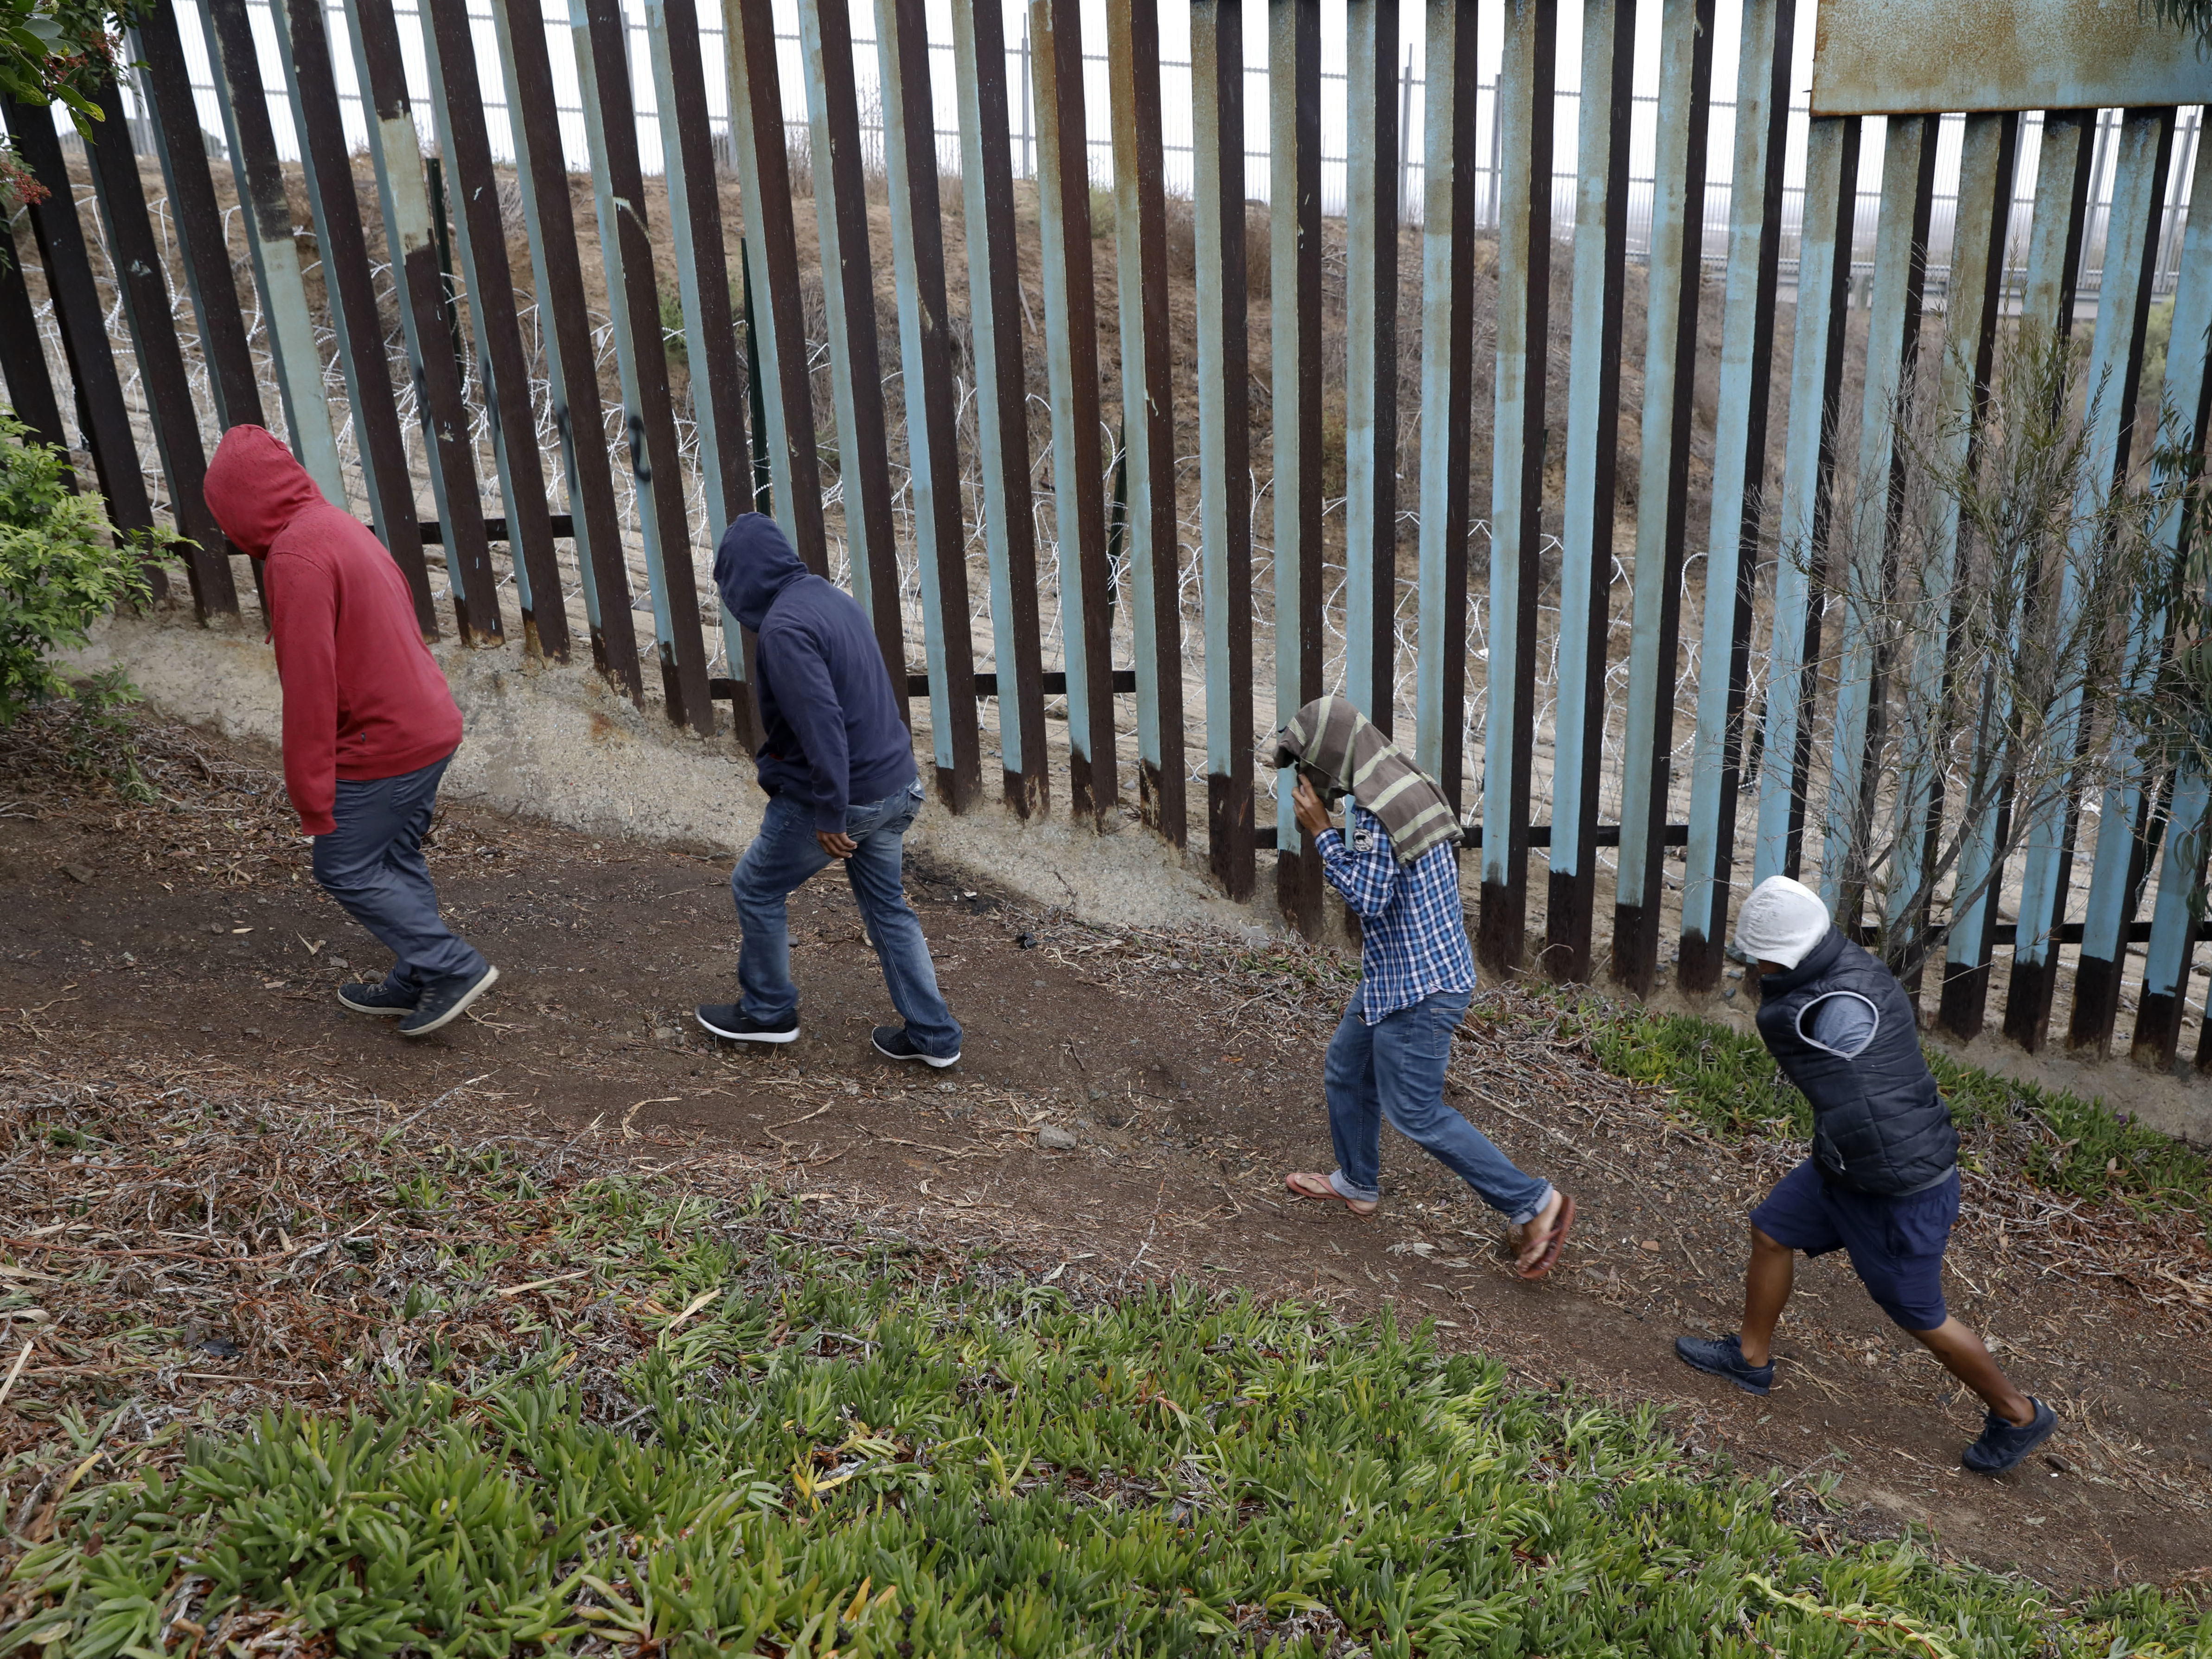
<point>443,1003</point>
<point>2004,1443</point>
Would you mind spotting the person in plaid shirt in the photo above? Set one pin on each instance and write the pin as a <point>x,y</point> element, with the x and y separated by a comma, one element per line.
<point>1387,1058</point>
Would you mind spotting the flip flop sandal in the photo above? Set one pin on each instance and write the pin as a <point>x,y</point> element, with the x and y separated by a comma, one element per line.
<point>1325,1194</point>
<point>1554,1243</point>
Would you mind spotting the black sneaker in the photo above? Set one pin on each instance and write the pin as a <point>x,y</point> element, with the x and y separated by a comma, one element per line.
<point>893,1044</point>
<point>387,998</point>
<point>444,1002</point>
<point>726,1020</point>
<point>2003,1444</point>
<point>1723,1355</point>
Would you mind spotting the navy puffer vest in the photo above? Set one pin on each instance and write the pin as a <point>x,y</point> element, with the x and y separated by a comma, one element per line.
<point>1879,1124</point>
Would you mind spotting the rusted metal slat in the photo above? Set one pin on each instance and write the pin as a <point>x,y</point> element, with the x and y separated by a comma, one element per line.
<point>601,35</point>
<point>396,152</point>
<point>1516,477</point>
<point>1446,393</point>
<point>2122,851</point>
<point>1816,370</point>
<point>1225,449</point>
<point>1686,74</point>
<point>1002,443</point>
<point>2054,258</point>
<point>166,91</point>
<point>208,276</point>
<point>849,298</point>
<point>926,350</point>
<point>456,97</point>
<point>325,158</point>
<point>702,285</point>
<point>1739,492</point>
<point>1865,572</point>
<point>1072,362</point>
<point>103,422</point>
<point>2188,390</point>
<point>23,354</point>
<point>771,248</point>
<point>2138,211</point>
<point>288,326</point>
<point>571,364</point>
<point>1370,361</point>
<point>145,289</point>
<point>1141,243</point>
<point>1586,562</point>
<point>1989,159</point>
<point>1294,307</point>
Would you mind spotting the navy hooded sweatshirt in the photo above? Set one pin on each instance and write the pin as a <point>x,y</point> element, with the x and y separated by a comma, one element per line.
<point>834,735</point>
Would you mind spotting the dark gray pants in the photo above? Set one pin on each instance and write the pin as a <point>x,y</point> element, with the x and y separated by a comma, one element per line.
<point>372,863</point>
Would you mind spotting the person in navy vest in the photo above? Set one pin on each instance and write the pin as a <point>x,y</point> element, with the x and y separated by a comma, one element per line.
<point>1882,1183</point>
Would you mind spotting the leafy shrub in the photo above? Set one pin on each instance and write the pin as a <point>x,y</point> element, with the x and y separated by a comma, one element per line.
<point>61,566</point>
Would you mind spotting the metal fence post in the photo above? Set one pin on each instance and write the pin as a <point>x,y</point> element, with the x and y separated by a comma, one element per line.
<point>1446,393</point>
<point>290,330</point>
<point>2054,259</point>
<point>396,150</point>
<point>2145,153</point>
<point>1371,363</point>
<point>1586,562</point>
<point>1072,362</point>
<point>1225,465</point>
<point>848,299</point>
<point>1294,289</point>
<point>932,435</point>
<point>1525,83</point>
<point>1739,493</point>
<point>456,102</point>
<point>1148,405</point>
<point>541,175</point>
<point>303,43</point>
<point>2173,927</point>
<point>1002,439</point>
<point>144,289</point>
<point>1686,76</point>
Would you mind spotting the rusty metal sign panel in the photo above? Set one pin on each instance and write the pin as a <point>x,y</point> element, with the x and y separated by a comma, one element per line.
<point>1932,57</point>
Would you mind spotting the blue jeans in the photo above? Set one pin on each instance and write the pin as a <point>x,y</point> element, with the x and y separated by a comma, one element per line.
<point>1394,1068</point>
<point>783,856</point>
<point>372,863</point>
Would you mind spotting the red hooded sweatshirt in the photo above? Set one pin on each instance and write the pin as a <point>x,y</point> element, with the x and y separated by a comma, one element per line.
<point>363,697</point>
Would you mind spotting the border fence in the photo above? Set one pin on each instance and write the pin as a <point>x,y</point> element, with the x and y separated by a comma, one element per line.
<point>1126,458</point>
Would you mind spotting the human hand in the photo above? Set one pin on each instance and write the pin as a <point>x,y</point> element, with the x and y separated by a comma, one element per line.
<point>1312,816</point>
<point>837,843</point>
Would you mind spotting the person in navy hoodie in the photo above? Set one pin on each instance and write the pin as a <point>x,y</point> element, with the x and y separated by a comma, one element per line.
<point>837,763</point>
<point>1883,1184</point>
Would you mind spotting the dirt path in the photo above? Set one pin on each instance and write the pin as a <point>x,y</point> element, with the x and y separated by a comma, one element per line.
<point>1186,1070</point>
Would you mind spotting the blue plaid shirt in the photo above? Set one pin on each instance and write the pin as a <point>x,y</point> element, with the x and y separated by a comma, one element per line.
<point>1413,929</point>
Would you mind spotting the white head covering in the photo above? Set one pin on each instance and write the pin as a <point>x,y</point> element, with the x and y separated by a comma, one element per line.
<point>1782,921</point>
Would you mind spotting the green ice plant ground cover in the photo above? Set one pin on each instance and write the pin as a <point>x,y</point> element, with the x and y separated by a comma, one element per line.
<point>830,1446</point>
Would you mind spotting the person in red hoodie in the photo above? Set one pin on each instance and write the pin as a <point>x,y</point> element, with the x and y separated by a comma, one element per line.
<point>369,725</point>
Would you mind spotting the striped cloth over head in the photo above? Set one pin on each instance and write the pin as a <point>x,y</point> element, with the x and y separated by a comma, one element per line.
<point>1344,753</point>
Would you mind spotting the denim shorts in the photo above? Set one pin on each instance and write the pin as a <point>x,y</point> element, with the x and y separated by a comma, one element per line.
<point>1896,1245</point>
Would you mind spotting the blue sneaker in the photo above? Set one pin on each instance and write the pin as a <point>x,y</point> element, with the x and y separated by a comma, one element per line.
<point>2003,1444</point>
<point>386,997</point>
<point>1723,1356</point>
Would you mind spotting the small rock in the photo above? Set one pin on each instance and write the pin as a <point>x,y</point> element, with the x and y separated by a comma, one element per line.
<point>1054,1139</point>
<point>1025,941</point>
<point>1649,1244</point>
<point>340,962</point>
<point>2057,1464</point>
<point>218,929</point>
<point>665,1034</point>
<point>78,872</point>
<point>948,1088</point>
<point>1728,995</point>
<point>249,1030</point>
